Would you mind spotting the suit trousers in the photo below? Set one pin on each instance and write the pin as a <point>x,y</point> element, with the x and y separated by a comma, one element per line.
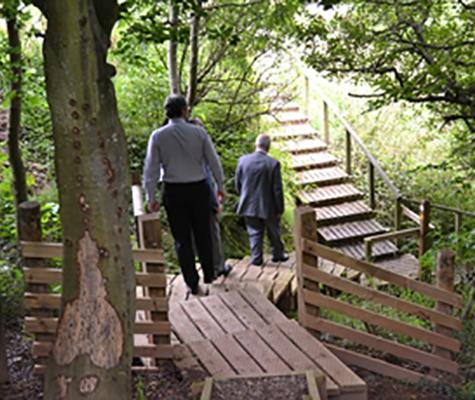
<point>218,250</point>
<point>255,229</point>
<point>188,211</point>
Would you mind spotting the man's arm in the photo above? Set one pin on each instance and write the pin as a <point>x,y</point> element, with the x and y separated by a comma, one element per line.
<point>212,160</point>
<point>277,190</point>
<point>151,171</point>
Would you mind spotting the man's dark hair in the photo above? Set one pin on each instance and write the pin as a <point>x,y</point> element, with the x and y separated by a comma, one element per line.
<point>174,105</point>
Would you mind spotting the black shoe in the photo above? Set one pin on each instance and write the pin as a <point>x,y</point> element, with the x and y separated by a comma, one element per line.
<point>284,257</point>
<point>257,263</point>
<point>197,291</point>
<point>225,271</point>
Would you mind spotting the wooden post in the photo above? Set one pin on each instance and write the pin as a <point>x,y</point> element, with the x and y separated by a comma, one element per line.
<point>424,241</point>
<point>307,93</point>
<point>29,225</point>
<point>150,238</point>
<point>458,222</point>
<point>326,123</point>
<point>348,153</point>
<point>372,193</point>
<point>305,227</point>
<point>444,280</point>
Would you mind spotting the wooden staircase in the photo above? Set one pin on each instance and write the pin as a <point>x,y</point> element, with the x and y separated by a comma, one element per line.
<point>343,217</point>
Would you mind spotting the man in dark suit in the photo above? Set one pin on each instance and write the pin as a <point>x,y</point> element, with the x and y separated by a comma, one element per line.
<point>261,202</point>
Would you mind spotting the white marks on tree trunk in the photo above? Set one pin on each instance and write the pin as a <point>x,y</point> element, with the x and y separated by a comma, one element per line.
<point>88,384</point>
<point>89,324</point>
<point>63,382</point>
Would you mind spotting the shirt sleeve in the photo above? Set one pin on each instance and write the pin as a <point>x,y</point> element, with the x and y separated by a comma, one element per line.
<point>277,189</point>
<point>151,171</point>
<point>212,160</point>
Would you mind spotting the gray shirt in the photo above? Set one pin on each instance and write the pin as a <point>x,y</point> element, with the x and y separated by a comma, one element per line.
<point>182,150</point>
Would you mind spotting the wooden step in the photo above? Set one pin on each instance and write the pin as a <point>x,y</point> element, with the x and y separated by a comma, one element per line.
<point>323,176</point>
<point>349,231</point>
<point>291,118</point>
<point>313,160</point>
<point>301,131</point>
<point>303,146</point>
<point>380,249</point>
<point>345,212</point>
<point>332,194</point>
<point>284,106</point>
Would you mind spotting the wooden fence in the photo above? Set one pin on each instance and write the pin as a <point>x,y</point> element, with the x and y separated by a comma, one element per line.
<point>152,328</point>
<point>434,345</point>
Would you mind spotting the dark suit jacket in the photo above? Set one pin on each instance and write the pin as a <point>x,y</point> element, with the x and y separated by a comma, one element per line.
<point>259,184</point>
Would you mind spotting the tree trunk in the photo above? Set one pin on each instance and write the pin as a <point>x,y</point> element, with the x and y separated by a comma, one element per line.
<point>173,49</point>
<point>92,352</point>
<point>194,56</point>
<point>19,179</point>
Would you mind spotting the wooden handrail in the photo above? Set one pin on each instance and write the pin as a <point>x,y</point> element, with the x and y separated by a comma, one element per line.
<point>370,240</point>
<point>442,207</point>
<point>354,135</point>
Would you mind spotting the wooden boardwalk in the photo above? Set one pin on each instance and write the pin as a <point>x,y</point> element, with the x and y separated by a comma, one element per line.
<point>241,333</point>
<point>276,281</point>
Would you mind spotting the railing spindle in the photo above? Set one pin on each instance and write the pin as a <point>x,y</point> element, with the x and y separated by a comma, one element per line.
<point>348,152</point>
<point>372,189</point>
<point>326,123</point>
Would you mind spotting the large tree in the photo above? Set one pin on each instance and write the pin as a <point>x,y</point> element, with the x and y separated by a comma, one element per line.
<point>92,353</point>
<point>420,51</point>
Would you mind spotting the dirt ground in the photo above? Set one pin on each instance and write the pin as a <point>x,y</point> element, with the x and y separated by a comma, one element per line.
<point>168,383</point>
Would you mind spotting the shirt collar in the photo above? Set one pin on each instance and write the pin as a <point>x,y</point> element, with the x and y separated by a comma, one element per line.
<point>261,151</point>
<point>176,121</point>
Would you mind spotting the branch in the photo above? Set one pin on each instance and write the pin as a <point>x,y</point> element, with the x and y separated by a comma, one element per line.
<point>226,5</point>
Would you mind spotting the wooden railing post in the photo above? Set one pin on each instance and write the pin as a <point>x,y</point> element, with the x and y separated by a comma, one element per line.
<point>307,94</point>
<point>458,222</point>
<point>398,217</point>
<point>305,227</point>
<point>424,240</point>
<point>29,218</point>
<point>372,189</point>
<point>326,123</point>
<point>444,280</point>
<point>348,152</point>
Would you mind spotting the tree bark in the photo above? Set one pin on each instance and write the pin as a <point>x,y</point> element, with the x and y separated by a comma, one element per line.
<point>14,154</point>
<point>194,56</point>
<point>92,352</point>
<point>173,49</point>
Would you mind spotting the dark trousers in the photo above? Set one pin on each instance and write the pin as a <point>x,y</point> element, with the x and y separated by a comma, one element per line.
<point>188,211</point>
<point>255,230</point>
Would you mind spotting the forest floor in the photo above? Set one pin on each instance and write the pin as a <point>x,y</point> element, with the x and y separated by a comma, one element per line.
<point>168,383</point>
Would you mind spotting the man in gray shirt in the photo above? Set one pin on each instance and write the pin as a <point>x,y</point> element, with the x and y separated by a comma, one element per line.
<point>181,150</point>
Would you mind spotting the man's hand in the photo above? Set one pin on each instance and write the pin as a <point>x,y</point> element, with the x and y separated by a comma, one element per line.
<point>220,196</point>
<point>153,206</point>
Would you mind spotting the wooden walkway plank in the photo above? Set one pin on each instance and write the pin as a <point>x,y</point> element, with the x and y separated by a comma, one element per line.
<point>252,273</point>
<point>212,360</point>
<point>294,357</point>
<point>202,318</point>
<point>240,360</point>
<point>224,316</point>
<point>182,325</point>
<point>261,352</point>
<point>263,306</point>
<point>243,311</point>
<point>324,358</point>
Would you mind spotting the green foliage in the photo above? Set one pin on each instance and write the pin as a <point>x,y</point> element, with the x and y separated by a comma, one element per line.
<point>417,51</point>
